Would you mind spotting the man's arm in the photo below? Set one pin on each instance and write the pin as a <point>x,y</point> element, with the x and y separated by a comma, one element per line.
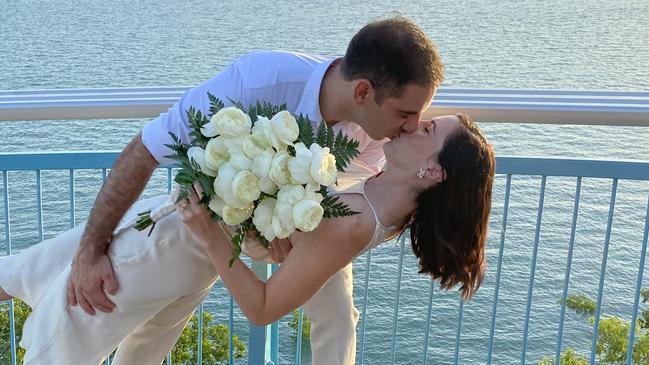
<point>92,273</point>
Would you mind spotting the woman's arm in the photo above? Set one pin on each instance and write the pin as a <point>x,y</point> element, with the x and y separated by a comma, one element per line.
<point>315,257</point>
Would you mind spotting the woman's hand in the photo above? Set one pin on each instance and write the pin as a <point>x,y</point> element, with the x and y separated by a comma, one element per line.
<point>198,218</point>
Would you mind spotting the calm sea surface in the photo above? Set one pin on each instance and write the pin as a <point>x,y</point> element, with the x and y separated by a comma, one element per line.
<point>514,44</point>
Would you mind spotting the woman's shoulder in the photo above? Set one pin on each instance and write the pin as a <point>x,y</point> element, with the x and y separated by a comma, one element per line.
<point>357,229</point>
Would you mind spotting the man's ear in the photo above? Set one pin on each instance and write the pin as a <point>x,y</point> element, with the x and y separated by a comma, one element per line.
<point>436,173</point>
<point>363,90</point>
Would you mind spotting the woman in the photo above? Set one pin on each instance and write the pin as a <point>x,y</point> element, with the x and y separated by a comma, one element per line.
<point>438,184</point>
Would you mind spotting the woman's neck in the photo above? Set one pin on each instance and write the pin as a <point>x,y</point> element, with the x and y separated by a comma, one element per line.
<point>393,199</point>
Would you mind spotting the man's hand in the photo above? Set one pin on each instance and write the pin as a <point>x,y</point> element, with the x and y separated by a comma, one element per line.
<point>92,274</point>
<point>279,248</point>
<point>90,280</point>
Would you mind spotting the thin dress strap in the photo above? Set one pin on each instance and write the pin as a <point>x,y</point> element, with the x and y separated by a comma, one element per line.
<point>376,216</point>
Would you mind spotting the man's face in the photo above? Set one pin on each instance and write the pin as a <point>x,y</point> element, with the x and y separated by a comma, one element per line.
<point>397,115</point>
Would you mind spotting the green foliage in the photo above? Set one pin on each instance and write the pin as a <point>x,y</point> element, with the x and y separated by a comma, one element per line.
<point>611,340</point>
<point>264,109</point>
<point>215,339</point>
<point>215,343</point>
<point>612,334</point>
<point>581,304</point>
<point>345,149</point>
<point>306,324</point>
<point>197,120</point>
<point>306,131</point>
<point>342,147</point>
<point>21,311</point>
<point>215,104</point>
<point>333,207</point>
<point>569,357</point>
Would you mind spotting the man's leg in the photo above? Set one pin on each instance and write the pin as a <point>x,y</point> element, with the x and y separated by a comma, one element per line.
<point>333,321</point>
<point>149,343</point>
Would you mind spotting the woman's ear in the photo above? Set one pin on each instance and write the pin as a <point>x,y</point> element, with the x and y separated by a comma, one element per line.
<point>363,90</point>
<point>436,173</point>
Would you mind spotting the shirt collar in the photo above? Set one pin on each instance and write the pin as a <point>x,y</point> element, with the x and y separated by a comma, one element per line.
<point>310,102</point>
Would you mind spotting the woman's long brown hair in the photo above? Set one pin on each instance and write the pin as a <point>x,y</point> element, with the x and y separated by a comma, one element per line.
<point>448,230</point>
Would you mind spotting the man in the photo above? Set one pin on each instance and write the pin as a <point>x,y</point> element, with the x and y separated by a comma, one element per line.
<point>384,82</point>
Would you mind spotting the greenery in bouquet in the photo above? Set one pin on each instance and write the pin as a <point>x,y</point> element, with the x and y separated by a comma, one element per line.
<point>263,171</point>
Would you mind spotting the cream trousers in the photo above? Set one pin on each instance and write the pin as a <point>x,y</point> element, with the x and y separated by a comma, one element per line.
<point>162,279</point>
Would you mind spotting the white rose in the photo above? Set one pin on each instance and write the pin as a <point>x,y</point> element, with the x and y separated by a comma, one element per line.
<point>209,129</point>
<point>263,218</point>
<point>307,214</point>
<point>237,157</point>
<point>245,186</point>
<point>231,122</point>
<point>216,153</point>
<point>255,144</point>
<point>323,166</point>
<point>198,154</point>
<point>223,186</point>
<point>279,171</point>
<point>291,194</point>
<point>299,166</point>
<point>261,167</point>
<point>234,216</point>
<point>285,127</point>
<point>262,127</point>
<point>216,205</point>
<point>282,220</point>
<point>312,193</point>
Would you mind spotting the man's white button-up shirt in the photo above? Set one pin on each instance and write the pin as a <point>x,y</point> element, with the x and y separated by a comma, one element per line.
<point>276,77</point>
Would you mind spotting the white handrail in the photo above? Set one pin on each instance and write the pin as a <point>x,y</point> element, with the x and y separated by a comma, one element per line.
<point>630,108</point>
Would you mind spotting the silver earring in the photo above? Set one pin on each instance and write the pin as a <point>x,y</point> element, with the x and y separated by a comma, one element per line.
<point>421,173</point>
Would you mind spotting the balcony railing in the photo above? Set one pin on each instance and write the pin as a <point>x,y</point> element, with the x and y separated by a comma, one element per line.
<point>524,282</point>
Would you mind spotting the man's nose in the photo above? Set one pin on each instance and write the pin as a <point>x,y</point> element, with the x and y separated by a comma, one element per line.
<point>411,125</point>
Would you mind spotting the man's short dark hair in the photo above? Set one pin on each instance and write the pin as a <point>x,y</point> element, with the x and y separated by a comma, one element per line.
<point>392,54</point>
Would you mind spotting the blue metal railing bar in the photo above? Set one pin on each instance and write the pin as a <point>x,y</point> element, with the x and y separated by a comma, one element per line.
<point>71,197</point>
<point>395,318</point>
<point>600,290</point>
<point>458,332</point>
<point>298,338</point>
<point>428,324</point>
<point>501,249</point>
<point>12,321</point>
<point>566,281</point>
<point>533,270</point>
<point>231,332</point>
<point>39,205</point>
<point>199,353</point>
<point>634,314</point>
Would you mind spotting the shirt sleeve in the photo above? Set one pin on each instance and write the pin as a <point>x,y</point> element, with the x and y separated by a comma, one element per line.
<point>226,86</point>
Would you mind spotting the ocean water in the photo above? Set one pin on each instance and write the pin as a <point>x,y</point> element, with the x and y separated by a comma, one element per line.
<point>516,44</point>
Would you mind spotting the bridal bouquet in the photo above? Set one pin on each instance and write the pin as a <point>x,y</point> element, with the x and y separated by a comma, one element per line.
<point>264,172</point>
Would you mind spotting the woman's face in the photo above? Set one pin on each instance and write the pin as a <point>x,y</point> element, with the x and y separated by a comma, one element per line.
<point>422,147</point>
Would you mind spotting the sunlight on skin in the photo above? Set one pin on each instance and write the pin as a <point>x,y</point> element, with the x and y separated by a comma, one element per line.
<point>4,296</point>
